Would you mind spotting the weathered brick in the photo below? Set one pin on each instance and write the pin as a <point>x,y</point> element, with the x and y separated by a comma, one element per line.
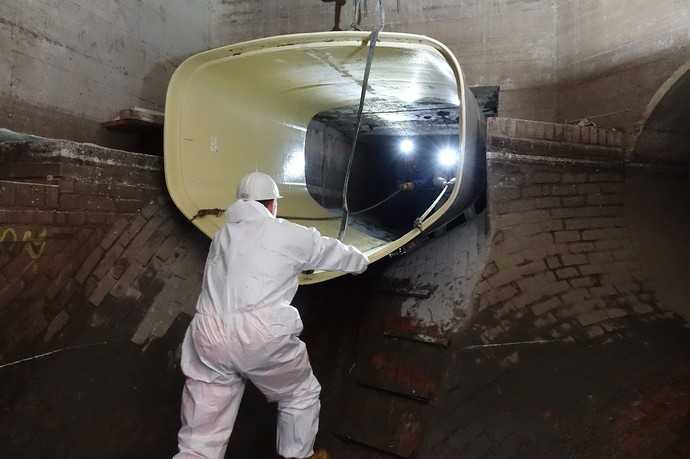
<point>545,321</point>
<point>29,195</point>
<point>89,188</point>
<point>611,187</point>
<point>570,260</point>
<point>589,188</point>
<point>131,231</point>
<point>114,233</point>
<point>573,201</point>
<point>600,234</point>
<point>567,236</point>
<point>545,177</point>
<point>124,286</point>
<point>603,291</point>
<point>21,262</point>
<point>567,273</point>
<point>587,212</point>
<point>574,177</point>
<point>580,247</point>
<point>140,240</point>
<point>604,199</point>
<point>498,295</point>
<point>489,270</point>
<point>594,223</point>
<point>7,193</point>
<point>108,261</point>
<point>527,204</point>
<point>102,289</point>
<point>592,317</point>
<point>600,257</point>
<point>96,218</point>
<point>531,268</point>
<point>588,270</point>
<point>594,331</point>
<point>608,245</point>
<point>623,254</point>
<point>89,265</point>
<point>535,190</point>
<point>615,313</point>
<point>539,227</point>
<point>606,177</point>
<point>546,306</point>
<point>512,219</point>
<point>553,262</point>
<point>505,193</point>
<point>572,134</point>
<point>57,324</point>
<point>127,205</point>
<point>564,190</point>
<point>582,282</point>
<point>100,203</point>
<point>10,290</point>
<point>71,201</point>
<point>52,196</point>
<point>642,309</point>
<point>148,211</point>
<point>66,185</point>
<point>586,134</point>
<point>76,218</point>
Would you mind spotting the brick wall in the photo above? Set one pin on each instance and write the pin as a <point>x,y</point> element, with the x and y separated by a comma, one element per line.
<point>82,222</point>
<point>539,324</point>
<point>96,263</point>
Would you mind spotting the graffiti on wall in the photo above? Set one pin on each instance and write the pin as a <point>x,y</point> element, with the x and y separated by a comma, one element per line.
<point>13,241</point>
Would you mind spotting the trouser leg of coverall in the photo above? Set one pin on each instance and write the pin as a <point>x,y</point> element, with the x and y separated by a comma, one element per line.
<point>290,381</point>
<point>208,416</point>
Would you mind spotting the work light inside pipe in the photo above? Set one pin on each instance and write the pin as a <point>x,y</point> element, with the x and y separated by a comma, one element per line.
<point>447,157</point>
<point>406,146</point>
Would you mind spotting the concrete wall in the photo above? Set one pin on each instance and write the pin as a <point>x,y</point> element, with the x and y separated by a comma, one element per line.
<point>511,43</point>
<point>66,66</point>
<point>614,54</point>
<point>554,60</point>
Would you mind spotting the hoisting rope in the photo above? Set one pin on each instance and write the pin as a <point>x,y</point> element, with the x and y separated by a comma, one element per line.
<point>373,38</point>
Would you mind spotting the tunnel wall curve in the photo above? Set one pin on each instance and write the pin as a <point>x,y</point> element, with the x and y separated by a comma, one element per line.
<point>662,134</point>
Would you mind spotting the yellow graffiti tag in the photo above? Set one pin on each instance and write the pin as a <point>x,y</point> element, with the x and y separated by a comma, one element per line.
<point>34,246</point>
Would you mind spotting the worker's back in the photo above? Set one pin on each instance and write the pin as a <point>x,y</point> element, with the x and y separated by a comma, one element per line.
<point>254,261</point>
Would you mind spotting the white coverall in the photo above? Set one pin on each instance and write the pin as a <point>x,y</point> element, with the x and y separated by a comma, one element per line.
<point>245,328</point>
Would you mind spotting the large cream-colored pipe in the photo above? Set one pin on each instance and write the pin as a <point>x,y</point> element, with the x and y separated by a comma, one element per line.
<point>246,107</point>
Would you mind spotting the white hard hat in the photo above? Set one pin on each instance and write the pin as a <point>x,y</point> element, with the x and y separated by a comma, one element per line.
<point>257,186</point>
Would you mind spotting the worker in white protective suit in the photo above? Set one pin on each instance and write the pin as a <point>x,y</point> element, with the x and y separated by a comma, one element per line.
<point>246,329</point>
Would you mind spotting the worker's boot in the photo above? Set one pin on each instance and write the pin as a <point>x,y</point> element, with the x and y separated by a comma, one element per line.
<point>321,454</point>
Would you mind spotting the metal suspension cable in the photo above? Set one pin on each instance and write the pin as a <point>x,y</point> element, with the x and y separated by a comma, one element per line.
<point>373,38</point>
<point>358,212</point>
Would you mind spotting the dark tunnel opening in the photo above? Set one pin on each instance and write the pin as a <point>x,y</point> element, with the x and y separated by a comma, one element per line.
<point>399,171</point>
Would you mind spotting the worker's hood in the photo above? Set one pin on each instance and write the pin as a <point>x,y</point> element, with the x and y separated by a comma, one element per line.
<point>244,210</point>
